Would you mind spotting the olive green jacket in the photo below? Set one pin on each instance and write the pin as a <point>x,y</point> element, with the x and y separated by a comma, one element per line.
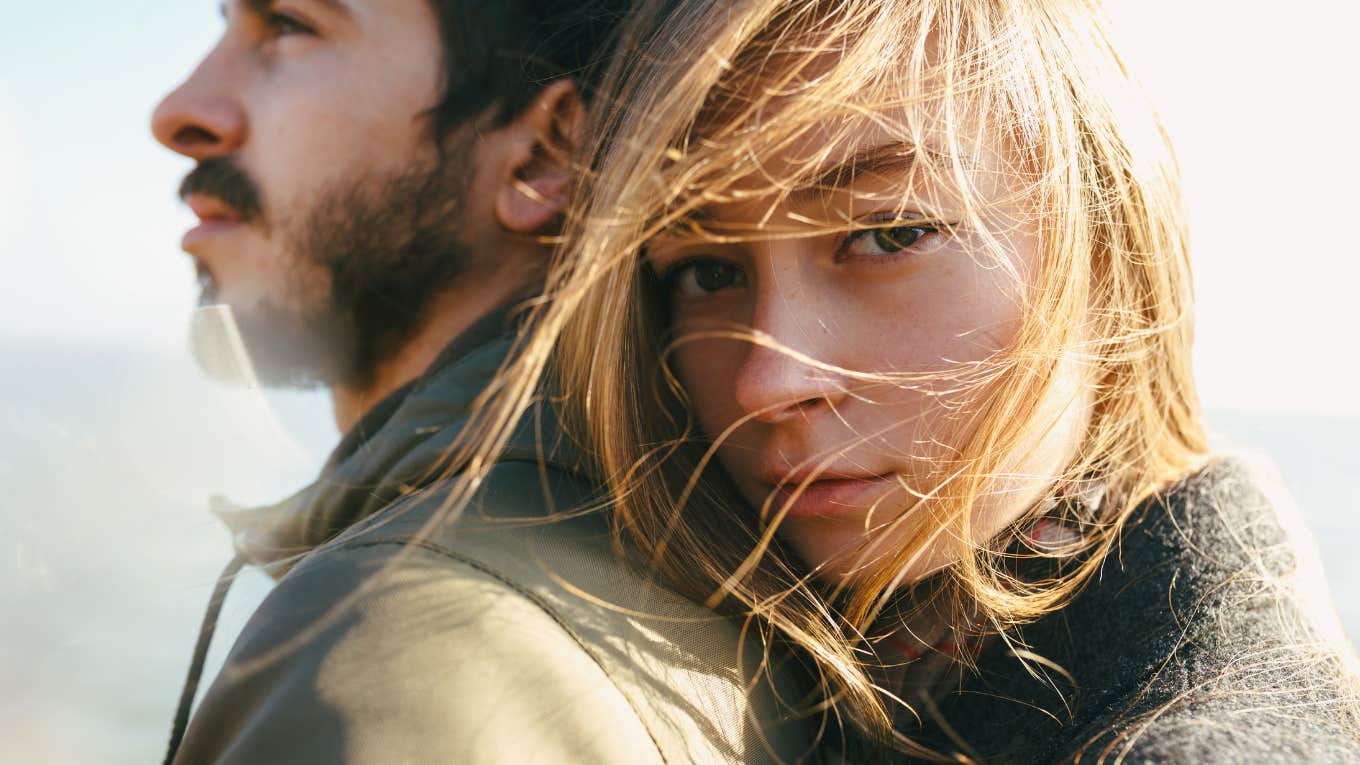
<point>393,637</point>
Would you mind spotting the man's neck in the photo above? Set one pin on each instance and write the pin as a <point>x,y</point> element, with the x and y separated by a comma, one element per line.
<point>450,314</point>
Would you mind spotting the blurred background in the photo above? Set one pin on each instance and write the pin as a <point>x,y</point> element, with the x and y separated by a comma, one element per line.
<point>111,442</point>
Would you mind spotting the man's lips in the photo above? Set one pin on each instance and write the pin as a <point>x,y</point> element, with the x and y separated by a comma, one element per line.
<point>214,216</point>
<point>828,495</point>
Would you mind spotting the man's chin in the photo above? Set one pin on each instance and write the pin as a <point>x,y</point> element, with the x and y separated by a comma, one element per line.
<point>215,341</point>
<point>267,348</point>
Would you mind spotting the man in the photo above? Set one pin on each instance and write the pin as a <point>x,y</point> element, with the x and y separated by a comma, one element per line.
<point>376,182</point>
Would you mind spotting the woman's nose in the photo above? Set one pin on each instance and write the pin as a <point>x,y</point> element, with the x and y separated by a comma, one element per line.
<point>776,383</point>
<point>789,370</point>
<point>203,117</point>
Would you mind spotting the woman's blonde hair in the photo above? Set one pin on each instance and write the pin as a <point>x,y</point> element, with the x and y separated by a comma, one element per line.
<point>701,92</point>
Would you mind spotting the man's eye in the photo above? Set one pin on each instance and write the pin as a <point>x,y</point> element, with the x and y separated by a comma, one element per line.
<point>888,240</point>
<point>284,25</point>
<point>698,278</point>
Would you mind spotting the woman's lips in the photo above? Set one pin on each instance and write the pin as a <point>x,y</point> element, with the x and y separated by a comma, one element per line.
<point>827,497</point>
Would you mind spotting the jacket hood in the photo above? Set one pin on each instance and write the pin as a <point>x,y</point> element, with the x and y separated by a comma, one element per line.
<point>396,449</point>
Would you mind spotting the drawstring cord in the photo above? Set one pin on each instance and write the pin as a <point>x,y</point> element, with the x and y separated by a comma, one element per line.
<point>205,635</point>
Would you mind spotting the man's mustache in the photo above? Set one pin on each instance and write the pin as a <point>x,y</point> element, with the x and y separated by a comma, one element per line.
<point>220,178</point>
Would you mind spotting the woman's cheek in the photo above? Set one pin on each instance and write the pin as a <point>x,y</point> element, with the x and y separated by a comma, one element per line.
<point>705,368</point>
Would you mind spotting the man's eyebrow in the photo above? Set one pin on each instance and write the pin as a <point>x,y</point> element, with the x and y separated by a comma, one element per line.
<point>895,158</point>
<point>261,7</point>
<point>338,6</point>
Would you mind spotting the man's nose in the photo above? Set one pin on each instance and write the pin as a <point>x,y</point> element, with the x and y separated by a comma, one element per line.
<point>203,117</point>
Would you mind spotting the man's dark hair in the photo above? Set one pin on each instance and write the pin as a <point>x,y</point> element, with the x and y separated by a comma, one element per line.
<point>501,53</point>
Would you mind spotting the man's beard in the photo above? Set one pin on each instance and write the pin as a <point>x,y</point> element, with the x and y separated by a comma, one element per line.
<point>384,246</point>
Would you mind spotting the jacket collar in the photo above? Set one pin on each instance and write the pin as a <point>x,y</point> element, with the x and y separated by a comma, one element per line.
<point>397,448</point>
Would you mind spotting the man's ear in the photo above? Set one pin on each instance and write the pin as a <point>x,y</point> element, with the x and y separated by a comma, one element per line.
<point>544,139</point>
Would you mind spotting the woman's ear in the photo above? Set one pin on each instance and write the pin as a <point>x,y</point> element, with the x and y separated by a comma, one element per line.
<point>546,133</point>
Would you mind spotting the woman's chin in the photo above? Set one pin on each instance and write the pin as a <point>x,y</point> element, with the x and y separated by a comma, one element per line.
<point>853,570</point>
<point>851,556</point>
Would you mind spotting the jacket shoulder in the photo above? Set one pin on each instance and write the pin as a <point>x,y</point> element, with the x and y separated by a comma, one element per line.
<point>369,654</point>
<point>502,635</point>
<point>686,671</point>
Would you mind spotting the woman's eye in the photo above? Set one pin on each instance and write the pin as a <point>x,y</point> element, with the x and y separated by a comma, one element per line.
<point>698,278</point>
<point>877,242</point>
<point>900,238</point>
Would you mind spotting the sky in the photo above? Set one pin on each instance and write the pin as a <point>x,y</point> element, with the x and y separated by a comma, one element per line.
<point>1260,103</point>
<point>90,226</point>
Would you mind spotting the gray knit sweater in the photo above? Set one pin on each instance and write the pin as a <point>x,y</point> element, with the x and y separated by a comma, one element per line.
<point>1191,646</point>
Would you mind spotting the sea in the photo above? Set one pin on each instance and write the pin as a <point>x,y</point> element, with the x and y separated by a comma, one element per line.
<point>109,457</point>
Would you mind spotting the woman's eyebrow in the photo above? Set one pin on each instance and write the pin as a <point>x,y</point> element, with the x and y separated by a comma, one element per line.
<point>893,159</point>
<point>682,223</point>
<point>888,158</point>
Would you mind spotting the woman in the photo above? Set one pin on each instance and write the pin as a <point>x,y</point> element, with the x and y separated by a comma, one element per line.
<point>906,382</point>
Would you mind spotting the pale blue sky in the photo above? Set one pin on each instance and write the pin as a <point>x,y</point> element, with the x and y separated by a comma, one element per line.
<point>1260,103</point>
<point>89,225</point>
